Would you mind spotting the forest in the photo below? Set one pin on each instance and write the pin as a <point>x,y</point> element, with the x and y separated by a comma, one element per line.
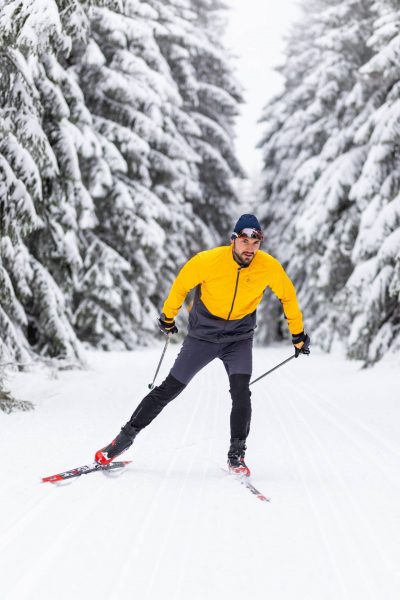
<point>117,164</point>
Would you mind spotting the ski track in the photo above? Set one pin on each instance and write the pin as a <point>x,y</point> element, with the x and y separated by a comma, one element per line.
<point>173,522</point>
<point>357,514</point>
<point>124,574</point>
<point>51,555</point>
<point>205,453</point>
<point>388,564</point>
<point>172,525</point>
<point>312,504</point>
<point>354,429</point>
<point>369,547</point>
<point>20,522</point>
<point>321,467</point>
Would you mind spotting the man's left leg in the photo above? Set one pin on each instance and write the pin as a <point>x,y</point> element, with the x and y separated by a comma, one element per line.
<point>237,359</point>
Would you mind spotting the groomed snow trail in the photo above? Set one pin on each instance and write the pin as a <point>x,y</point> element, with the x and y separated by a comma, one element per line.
<point>324,446</point>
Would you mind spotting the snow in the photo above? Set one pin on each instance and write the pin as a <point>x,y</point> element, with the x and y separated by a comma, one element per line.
<point>41,22</point>
<point>324,445</point>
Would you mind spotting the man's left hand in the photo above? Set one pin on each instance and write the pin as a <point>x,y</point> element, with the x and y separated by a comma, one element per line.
<point>166,325</point>
<point>301,342</point>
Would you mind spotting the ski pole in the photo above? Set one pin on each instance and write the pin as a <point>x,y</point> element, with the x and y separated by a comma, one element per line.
<point>151,385</point>
<point>273,369</point>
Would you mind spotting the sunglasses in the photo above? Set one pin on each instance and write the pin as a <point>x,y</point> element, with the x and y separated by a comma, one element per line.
<point>250,233</point>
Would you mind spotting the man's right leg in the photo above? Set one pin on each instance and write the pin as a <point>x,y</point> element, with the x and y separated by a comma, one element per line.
<point>194,355</point>
<point>148,409</point>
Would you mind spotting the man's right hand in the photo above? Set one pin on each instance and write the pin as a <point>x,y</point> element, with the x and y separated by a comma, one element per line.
<point>166,325</point>
<point>301,343</point>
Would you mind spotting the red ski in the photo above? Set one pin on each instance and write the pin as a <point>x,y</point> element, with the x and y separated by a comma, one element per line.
<point>84,470</point>
<point>245,480</point>
<point>247,483</point>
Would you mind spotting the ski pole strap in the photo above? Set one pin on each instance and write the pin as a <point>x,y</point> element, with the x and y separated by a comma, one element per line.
<point>151,385</point>
<point>273,369</point>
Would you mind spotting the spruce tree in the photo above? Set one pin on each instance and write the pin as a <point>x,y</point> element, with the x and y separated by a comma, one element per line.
<point>112,178</point>
<point>371,293</point>
<point>160,209</point>
<point>198,62</point>
<point>331,170</point>
<point>34,314</point>
<point>309,161</point>
<point>143,210</point>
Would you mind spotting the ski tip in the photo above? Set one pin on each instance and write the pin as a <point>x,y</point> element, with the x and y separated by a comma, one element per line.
<point>118,464</point>
<point>263,498</point>
<point>52,479</point>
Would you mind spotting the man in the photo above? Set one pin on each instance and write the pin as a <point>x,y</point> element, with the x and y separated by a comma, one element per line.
<point>229,283</point>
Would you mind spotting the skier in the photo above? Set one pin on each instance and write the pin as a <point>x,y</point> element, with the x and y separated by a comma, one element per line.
<point>229,283</point>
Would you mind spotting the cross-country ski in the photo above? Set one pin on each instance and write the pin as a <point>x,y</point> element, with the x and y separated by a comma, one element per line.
<point>247,483</point>
<point>84,470</point>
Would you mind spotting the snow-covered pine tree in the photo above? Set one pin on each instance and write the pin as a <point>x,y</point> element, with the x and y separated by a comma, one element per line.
<point>114,169</point>
<point>336,186</point>
<point>191,44</point>
<point>79,157</point>
<point>154,215</point>
<point>371,293</point>
<point>305,140</point>
<point>134,101</point>
<point>34,313</point>
<point>326,160</point>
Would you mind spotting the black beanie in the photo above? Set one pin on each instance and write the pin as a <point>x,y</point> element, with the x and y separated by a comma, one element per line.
<point>247,221</point>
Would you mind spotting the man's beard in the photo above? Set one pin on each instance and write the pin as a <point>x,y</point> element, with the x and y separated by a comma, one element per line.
<point>245,261</point>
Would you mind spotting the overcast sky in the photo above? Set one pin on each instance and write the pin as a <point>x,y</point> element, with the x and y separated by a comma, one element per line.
<point>255,33</point>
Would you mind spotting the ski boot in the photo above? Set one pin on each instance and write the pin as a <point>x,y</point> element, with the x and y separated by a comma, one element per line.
<point>122,442</point>
<point>236,454</point>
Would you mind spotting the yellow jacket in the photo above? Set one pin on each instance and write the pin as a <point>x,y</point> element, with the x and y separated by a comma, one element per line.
<point>229,292</point>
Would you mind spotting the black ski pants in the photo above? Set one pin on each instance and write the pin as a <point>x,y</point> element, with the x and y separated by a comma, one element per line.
<point>194,355</point>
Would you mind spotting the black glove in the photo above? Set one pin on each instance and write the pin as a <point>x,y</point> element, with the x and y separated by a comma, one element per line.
<point>166,325</point>
<point>301,342</point>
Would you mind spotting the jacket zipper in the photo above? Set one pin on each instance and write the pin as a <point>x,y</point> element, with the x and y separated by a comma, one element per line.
<point>234,295</point>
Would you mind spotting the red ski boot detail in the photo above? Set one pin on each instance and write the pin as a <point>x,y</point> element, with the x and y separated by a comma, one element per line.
<point>102,458</point>
<point>107,454</point>
<point>238,466</point>
<point>236,454</point>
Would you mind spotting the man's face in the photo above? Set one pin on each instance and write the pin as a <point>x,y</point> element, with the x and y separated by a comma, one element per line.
<point>245,249</point>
